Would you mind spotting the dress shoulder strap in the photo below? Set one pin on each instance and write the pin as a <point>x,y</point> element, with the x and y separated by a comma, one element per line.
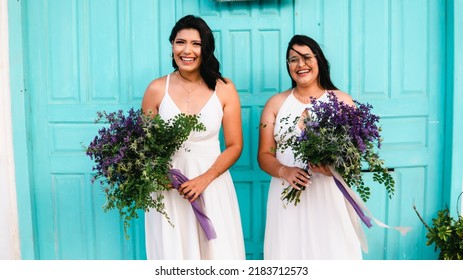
<point>167,83</point>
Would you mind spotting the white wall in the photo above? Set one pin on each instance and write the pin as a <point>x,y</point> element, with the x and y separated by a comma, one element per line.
<point>9,233</point>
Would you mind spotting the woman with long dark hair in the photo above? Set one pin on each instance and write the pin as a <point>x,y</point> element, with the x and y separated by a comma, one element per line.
<point>320,225</point>
<point>196,86</point>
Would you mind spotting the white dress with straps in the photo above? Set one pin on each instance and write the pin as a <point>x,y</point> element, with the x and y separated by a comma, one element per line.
<point>320,226</point>
<point>186,240</point>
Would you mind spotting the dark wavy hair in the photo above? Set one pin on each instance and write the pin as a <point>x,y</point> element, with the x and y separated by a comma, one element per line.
<point>323,65</point>
<point>209,68</point>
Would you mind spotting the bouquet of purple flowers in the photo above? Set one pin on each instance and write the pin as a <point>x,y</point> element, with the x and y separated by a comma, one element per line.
<point>342,137</point>
<point>132,157</point>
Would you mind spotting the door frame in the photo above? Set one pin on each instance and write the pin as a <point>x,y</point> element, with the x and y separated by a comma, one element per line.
<point>19,102</point>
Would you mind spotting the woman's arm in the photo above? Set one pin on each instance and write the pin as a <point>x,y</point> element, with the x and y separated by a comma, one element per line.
<point>233,136</point>
<point>232,127</point>
<point>267,146</point>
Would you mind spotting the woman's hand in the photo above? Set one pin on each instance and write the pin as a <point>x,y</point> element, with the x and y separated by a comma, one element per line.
<point>295,176</point>
<point>323,169</point>
<point>193,188</point>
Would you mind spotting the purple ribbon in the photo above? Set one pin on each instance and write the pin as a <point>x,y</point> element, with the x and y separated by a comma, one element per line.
<point>365,219</point>
<point>177,178</point>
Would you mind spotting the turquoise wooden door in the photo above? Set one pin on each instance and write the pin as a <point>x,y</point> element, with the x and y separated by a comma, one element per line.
<point>85,56</point>
<point>398,68</point>
<point>391,54</point>
<point>81,59</point>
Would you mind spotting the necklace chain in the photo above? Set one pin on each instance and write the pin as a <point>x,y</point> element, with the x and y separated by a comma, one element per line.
<point>189,91</point>
<point>305,99</point>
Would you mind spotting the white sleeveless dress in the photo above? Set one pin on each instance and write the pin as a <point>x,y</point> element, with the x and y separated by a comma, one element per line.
<point>320,226</point>
<point>186,240</point>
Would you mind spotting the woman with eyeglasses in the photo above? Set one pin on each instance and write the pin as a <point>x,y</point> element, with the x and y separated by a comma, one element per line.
<point>319,227</point>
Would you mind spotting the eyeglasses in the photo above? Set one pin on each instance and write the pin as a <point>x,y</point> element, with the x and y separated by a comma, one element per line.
<point>294,60</point>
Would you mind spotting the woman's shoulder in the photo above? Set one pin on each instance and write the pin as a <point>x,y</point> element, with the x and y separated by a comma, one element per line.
<point>279,98</point>
<point>157,84</point>
<point>275,102</point>
<point>225,84</point>
<point>342,96</point>
<point>154,93</point>
<point>227,94</point>
<point>225,88</point>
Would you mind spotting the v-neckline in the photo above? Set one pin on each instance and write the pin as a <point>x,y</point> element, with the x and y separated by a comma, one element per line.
<point>200,111</point>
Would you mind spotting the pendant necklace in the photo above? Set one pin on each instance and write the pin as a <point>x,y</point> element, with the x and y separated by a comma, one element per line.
<point>189,91</point>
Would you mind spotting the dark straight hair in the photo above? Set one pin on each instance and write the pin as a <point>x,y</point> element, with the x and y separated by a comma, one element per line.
<point>323,65</point>
<point>209,68</point>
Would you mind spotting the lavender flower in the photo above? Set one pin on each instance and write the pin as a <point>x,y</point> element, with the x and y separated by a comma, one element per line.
<point>132,158</point>
<point>343,137</point>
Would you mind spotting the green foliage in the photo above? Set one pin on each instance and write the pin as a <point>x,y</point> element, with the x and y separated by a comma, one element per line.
<point>446,233</point>
<point>133,157</point>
